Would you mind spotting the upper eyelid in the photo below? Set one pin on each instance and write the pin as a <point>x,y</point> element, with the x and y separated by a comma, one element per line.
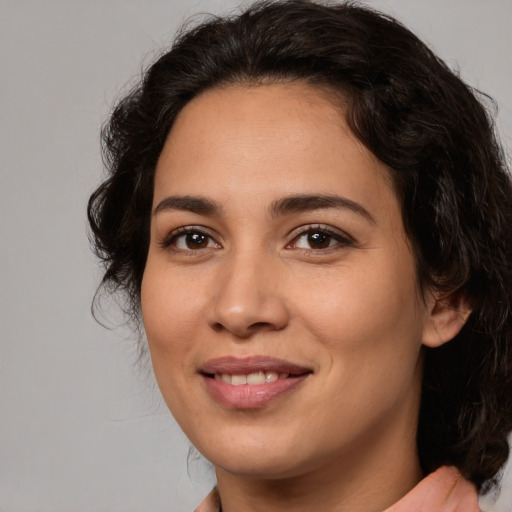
<point>342,238</point>
<point>184,230</point>
<point>331,230</point>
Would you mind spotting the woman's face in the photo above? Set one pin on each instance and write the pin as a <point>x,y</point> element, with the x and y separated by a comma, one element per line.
<point>280,297</point>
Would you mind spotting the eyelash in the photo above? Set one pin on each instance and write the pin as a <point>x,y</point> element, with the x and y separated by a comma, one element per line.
<point>169,242</point>
<point>341,239</point>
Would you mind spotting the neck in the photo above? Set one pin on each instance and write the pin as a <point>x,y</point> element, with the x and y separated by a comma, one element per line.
<point>310,493</point>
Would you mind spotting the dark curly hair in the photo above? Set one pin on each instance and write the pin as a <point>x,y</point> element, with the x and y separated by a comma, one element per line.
<point>417,117</point>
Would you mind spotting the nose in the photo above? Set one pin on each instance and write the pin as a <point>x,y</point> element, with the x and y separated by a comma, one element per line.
<point>247,298</point>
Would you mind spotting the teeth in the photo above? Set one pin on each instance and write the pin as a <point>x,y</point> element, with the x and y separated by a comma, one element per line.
<point>238,380</point>
<point>271,376</point>
<point>255,378</point>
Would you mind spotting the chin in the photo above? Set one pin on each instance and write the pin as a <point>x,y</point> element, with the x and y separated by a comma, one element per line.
<point>249,453</point>
<point>262,466</point>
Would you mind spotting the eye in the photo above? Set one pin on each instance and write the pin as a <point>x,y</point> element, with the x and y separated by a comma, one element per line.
<point>320,238</point>
<point>192,241</point>
<point>189,239</point>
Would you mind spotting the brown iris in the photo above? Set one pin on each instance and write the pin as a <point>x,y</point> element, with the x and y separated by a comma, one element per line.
<point>196,241</point>
<point>319,240</point>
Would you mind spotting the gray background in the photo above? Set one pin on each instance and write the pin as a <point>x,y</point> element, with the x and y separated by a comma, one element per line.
<point>81,427</point>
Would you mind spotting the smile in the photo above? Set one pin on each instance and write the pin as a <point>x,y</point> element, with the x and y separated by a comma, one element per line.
<point>251,382</point>
<point>255,378</point>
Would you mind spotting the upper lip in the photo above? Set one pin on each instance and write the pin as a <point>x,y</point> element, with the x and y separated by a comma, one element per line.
<point>246,365</point>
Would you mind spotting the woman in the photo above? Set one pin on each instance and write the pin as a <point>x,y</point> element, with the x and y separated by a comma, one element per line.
<point>310,213</point>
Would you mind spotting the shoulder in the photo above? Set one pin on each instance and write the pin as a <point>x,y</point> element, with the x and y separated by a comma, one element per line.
<point>444,490</point>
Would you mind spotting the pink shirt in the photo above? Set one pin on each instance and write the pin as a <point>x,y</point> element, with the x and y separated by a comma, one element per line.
<point>445,490</point>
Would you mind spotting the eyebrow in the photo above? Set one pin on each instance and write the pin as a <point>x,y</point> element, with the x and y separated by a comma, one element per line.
<point>195,204</point>
<point>310,202</point>
<point>280,207</point>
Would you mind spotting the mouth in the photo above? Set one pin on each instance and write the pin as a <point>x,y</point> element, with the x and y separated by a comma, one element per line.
<point>254,379</point>
<point>251,382</point>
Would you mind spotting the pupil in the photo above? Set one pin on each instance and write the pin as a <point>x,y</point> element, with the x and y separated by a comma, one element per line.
<point>196,241</point>
<point>319,240</point>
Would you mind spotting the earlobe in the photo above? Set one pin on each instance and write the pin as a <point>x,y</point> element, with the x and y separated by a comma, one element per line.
<point>448,314</point>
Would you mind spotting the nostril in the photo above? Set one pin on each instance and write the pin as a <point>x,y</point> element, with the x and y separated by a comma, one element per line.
<point>217,326</point>
<point>244,331</point>
<point>261,325</point>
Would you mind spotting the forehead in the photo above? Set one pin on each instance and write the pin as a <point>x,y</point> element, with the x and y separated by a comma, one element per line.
<point>273,137</point>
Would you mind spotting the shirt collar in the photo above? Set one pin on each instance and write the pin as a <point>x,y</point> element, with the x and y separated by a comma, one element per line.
<point>444,490</point>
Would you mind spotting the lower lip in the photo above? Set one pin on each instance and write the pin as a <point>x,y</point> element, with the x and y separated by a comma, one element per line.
<point>248,396</point>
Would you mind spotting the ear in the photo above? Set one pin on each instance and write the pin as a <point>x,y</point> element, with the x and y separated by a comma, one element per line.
<point>447,316</point>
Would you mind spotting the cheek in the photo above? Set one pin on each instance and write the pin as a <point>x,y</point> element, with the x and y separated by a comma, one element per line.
<point>370,323</point>
<point>169,303</point>
<point>170,309</point>
<point>360,308</point>
<point>168,313</point>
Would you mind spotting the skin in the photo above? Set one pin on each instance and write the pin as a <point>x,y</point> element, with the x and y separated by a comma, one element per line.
<point>350,310</point>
